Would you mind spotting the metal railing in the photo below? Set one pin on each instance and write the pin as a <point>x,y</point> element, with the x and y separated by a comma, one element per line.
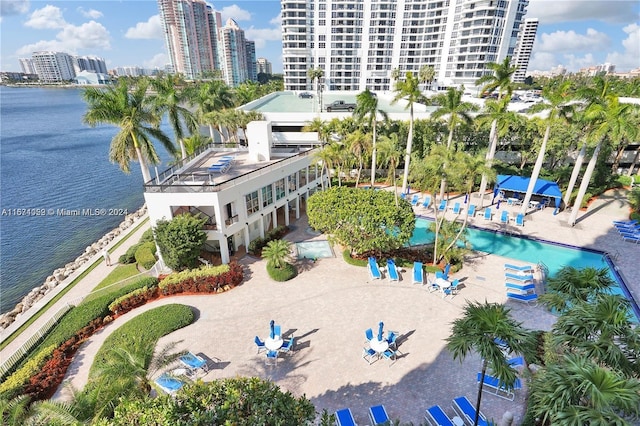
<point>544,272</point>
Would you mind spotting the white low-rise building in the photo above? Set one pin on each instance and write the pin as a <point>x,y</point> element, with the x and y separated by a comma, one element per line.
<point>242,192</point>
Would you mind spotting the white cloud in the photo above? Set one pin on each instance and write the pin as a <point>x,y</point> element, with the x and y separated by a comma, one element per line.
<point>262,36</point>
<point>277,21</point>
<point>573,63</point>
<point>72,38</point>
<point>235,12</point>
<point>630,58</point>
<point>158,61</point>
<point>91,13</point>
<point>49,17</point>
<point>542,61</point>
<point>555,11</point>
<point>570,41</point>
<point>152,29</point>
<point>13,7</point>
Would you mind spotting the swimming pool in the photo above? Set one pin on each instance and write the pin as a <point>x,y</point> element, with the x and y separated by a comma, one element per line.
<point>314,249</point>
<point>553,255</point>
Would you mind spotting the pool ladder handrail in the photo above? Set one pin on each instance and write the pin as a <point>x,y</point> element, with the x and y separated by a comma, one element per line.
<point>544,272</point>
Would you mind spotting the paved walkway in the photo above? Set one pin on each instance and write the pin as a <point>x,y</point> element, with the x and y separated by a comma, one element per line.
<point>330,304</point>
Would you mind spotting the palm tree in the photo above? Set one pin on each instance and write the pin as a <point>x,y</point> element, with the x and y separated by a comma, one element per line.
<point>495,112</point>
<point>390,155</point>
<point>451,104</point>
<point>246,92</point>
<point>612,121</point>
<point>359,145</point>
<point>319,126</point>
<point>367,109</point>
<point>194,142</point>
<point>426,74</point>
<point>243,118</point>
<point>572,285</point>
<point>557,97</point>
<point>277,252</point>
<point>169,98</point>
<point>501,80</point>
<point>130,109</point>
<point>315,74</point>
<point>479,329</point>
<point>577,391</point>
<point>408,90</point>
<point>15,411</point>
<point>211,96</point>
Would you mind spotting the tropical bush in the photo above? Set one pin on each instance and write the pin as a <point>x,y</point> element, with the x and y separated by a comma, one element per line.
<point>16,381</point>
<point>146,255</point>
<point>238,401</point>
<point>284,273</point>
<point>207,279</point>
<point>256,245</point>
<point>129,256</point>
<point>134,299</point>
<point>180,240</point>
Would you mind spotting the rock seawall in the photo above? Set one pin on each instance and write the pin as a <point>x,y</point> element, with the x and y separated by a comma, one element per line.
<point>60,274</point>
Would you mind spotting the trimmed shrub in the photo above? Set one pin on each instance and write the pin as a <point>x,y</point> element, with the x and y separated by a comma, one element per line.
<point>14,383</point>
<point>206,279</point>
<point>130,255</point>
<point>256,246</point>
<point>147,236</point>
<point>287,272</point>
<point>145,255</point>
<point>134,299</point>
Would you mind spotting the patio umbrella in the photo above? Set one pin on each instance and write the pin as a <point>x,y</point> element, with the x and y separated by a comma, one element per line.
<point>271,325</point>
<point>498,205</point>
<point>380,331</point>
<point>466,198</point>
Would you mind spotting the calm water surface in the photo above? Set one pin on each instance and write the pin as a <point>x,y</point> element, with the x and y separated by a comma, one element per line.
<point>50,160</point>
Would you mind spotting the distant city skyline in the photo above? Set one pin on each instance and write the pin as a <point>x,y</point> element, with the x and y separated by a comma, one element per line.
<point>573,33</point>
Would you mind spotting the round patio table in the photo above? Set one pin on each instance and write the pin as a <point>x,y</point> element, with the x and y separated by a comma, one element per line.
<point>273,344</point>
<point>378,345</point>
<point>442,283</point>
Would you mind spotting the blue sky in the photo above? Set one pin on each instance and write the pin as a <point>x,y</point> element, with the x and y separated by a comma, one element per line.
<point>572,33</point>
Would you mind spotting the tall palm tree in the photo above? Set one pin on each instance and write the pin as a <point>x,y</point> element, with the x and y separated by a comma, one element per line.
<point>169,98</point>
<point>315,74</point>
<point>390,155</point>
<point>246,117</point>
<point>478,330</point>
<point>612,121</point>
<point>359,144</point>
<point>130,109</point>
<point>500,80</point>
<point>319,126</point>
<point>325,156</point>
<point>574,285</point>
<point>367,110</point>
<point>577,391</point>
<point>451,104</point>
<point>408,90</point>
<point>246,92</point>
<point>211,96</point>
<point>557,102</point>
<point>495,112</point>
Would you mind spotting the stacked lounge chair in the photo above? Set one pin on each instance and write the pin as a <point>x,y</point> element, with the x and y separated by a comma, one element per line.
<point>519,283</point>
<point>629,230</point>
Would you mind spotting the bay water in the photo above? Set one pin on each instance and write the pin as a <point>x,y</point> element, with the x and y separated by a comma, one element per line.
<point>52,166</point>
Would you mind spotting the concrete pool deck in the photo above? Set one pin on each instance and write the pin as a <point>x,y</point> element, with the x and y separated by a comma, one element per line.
<point>330,304</point>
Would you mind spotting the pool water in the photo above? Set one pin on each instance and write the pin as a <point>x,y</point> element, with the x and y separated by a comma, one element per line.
<point>314,249</point>
<point>555,257</point>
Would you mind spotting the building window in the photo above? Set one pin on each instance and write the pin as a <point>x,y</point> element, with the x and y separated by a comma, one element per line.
<point>267,196</point>
<point>252,203</point>
<point>293,182</point>
<point>280,191</point>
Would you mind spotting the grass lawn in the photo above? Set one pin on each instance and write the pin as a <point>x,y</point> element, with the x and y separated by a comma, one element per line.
<point>115,280</point>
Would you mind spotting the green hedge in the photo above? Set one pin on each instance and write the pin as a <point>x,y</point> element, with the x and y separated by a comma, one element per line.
<point>144,329</point>
<point>129,256</point>
<point>346,255</point>
<point>188,274</point>
<point>145,255</point>
<point>134,293</point>
<point>256,246</point>
<point>282,274</point>
<point>11,387</point>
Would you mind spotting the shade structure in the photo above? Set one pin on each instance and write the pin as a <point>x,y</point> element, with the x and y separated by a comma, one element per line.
<point>380,331</point>
<point>519,184</point>
<point>272,327</point>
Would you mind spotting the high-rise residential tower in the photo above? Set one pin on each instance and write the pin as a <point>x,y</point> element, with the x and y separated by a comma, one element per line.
<point>190,29</point>
<point>358,43</point>
<point>263,66</point>
<point>234,56</point>
<point>524,45</point>
<point>53,67</point>
<point>90,63</point>
<point>28,66</point>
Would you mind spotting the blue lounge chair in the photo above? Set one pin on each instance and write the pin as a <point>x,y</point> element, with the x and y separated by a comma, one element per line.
<point>392,271</point>
<point>426,202</point>
<point>456,208</point>
<point>516,362</point>
<point>442,206</point>
<point>493,385</point>
<point>472,210</point>
<point>522,288</point>
<point>526,298</point>
<point>437,417</point>
<point>519,277</point>
<point>487,213</point>
<point>520,219</point>
<point>522,269</point>
<point>625,222</point>
<point>194,363</point>
<point>631,239</point>
<point>403,195</point>
<point>378,415</point>
<point>415,199</point>
<point>464,409</point>
<point>374,270</point>
<point>344,417</point>
<point>504,217</point>
<point>169,384</point>
<point>418,273</point>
